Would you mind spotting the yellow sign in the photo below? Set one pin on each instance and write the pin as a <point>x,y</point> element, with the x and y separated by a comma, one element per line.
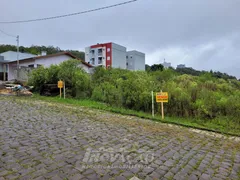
<point>60,84</point>
<point>162,97</point>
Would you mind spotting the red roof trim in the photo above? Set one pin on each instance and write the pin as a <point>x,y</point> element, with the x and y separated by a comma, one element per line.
<point>100,45</point>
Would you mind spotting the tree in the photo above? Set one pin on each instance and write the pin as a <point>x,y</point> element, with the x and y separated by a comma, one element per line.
<point>157,67</point>
<point>34,49</point>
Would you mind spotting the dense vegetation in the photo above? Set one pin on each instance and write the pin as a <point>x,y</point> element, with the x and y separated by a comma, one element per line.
<point>190,71</point>
<point>37,50</point>
<point>203,97</point>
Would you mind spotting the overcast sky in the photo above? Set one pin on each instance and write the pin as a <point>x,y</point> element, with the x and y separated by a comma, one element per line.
<point>203,34</point>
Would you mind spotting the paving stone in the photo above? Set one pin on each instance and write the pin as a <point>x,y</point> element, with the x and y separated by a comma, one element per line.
<point>76,177</point>
<point>205,177</point>
<point>4,173</point>
<point>12,176</point>
<point>169,175</point>
<point>193,177</point>
<point>147,170</point>
<point>135,170</point>
<point>120,178</point>
<point>155,175</point>
<point>56,178</point>
<point>40,178</point>
<point>106,177</point>
<point>127,174</point>
<point>165,168</point>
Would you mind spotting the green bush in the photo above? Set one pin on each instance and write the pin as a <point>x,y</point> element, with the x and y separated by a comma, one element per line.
<point>75,78</point>
<point>38,77</point>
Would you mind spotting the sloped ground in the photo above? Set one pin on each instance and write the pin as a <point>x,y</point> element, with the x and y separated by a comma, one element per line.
<point>39,140</point>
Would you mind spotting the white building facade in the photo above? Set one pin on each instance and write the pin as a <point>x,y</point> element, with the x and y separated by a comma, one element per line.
<point>115,56</point>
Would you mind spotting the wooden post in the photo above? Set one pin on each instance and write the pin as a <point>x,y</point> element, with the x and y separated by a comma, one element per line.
<point>152,105</point>
<point>162,109</point>
<point>64,89</point>
<point>4,72</point>
<point>60,92</point>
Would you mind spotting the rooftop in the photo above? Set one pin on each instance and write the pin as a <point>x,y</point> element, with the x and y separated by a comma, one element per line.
<point>12,56</point>
<point>53,55</point>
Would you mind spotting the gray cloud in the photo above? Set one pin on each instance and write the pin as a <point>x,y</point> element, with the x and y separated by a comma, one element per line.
<point>202,34</point>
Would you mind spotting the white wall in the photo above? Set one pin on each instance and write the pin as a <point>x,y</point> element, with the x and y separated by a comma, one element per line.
<point>87,54</point>
<point>140,62</point>
<point>130,60</point>
<point>119,56</point>
<point>47,61</point>
<point>136,60</point>
<point>11,68</point>
<point>1,67</point>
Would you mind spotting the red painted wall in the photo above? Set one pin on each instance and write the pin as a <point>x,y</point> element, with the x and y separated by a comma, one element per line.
<point>109,54</point>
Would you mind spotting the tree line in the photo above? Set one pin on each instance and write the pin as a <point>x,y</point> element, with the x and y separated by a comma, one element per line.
<point>190,71</point>
<point>38,49</point>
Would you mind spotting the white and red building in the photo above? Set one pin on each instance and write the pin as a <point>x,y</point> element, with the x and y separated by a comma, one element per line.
<point>115,56</point>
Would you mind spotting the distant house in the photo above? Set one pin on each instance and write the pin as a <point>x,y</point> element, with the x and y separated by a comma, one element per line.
<point>44,60</point>
<point>181,66</point>
<point>166,64</point>
<point>3,68</point>
<point>10,56</point>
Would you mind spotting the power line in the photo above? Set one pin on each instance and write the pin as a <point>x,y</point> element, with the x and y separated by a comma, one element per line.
<point>66,15</point>
<point>7,33</point>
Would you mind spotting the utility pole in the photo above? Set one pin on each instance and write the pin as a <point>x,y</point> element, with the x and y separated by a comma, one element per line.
<point>17,57</point>
<point>17,51</point>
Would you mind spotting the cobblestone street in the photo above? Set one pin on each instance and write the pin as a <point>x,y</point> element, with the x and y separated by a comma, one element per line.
<point>40,140</point>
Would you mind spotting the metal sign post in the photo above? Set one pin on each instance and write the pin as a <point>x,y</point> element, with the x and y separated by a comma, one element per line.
<point>64,89</point>
<point>152,105</point>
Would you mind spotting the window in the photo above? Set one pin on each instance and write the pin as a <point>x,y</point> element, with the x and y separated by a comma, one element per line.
<point>31,65</point>
<point>100,60</point>
<point>108,49</point>
<point>108,58</point>
<point>100,52</point>
<point>92,61</point>
<point>127,57</point>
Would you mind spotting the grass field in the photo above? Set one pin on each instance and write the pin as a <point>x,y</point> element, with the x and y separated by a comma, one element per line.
<point>220,125</point>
